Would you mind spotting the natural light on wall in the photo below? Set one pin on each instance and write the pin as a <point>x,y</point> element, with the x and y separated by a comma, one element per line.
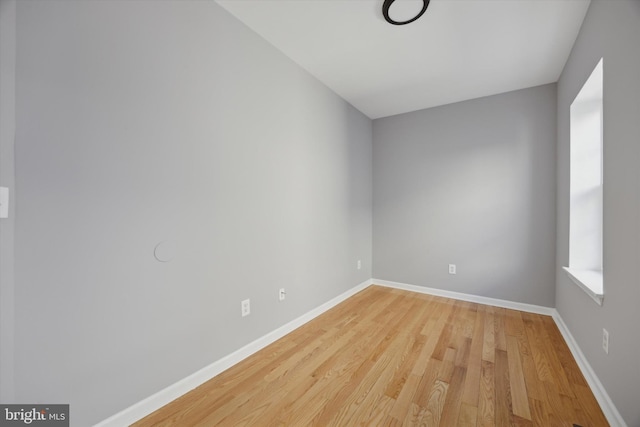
<point>585,227</point>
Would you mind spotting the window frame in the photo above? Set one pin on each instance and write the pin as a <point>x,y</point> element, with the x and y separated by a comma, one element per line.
<point>585,269</point>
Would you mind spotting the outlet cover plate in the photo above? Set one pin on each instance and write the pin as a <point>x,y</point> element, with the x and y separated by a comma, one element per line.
<point>246,307</point>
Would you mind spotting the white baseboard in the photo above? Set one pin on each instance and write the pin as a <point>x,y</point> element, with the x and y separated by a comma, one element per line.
<point>520,306</point>
<point>607,406</point>
<point>154,402</point>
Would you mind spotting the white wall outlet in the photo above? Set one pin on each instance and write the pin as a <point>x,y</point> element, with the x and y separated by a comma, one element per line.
<point>359,264</point>
<point>246,307</point>
<point>605,340</point>
<point>452,269</point>
<point>282,294</point>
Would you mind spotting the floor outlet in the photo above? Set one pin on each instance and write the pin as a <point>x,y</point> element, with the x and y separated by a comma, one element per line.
<point>359,264</point>
<point>452,269</point>
<point>246,307</point>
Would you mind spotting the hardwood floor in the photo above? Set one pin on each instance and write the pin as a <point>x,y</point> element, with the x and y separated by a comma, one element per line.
<point>391,357</point>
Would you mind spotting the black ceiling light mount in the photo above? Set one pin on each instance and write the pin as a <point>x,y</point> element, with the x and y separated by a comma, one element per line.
<point>385,12</point>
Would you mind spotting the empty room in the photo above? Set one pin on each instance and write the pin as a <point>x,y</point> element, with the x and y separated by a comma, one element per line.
<point>320,212</point>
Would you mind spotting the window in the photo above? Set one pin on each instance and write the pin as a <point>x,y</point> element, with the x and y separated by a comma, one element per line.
<point>585,218</point>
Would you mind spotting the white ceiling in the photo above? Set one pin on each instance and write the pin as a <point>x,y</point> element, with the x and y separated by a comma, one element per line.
<point>458,50</point>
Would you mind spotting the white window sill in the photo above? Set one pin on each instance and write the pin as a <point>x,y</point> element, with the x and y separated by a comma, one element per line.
<point>589,281</point>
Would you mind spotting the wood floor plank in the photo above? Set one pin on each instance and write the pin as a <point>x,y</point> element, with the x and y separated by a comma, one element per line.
<point>468,319</point>
<point>535,390</point>
<point>443,340</point>
<point>474,365</point>
<point>588,404</point>
<point>447,366</point>
<point>518,331</point>
<point>436,324</point>
<point>519,397</point>
<point>463,346</point>
<point>559,374</point>
<point>569,412</point>
<point>451,409</point>
<point>500,333</point>
<point>468,415</point>
<point>539,412</point>
<point>414,416</point>
<point>380,411</point>
<point>392,357</point>
<point>405,398</point>
<point>502,390</point>
<point>435,405</point>
<point>427,381</point>
<point>486,397</point>
<point>409,359</point>
<point>536,344</point>
<point>564,355</point>
<point>556,408</point>
<point>488,344</point>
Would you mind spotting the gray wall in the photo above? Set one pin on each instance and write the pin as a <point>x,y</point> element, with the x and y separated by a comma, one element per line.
<point>7,179</point>
<point>140,122</point>
<point>471,184</point>
<point>611,30</point>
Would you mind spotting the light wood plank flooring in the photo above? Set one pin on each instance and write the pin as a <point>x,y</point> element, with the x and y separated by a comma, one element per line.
<point>391,357</point>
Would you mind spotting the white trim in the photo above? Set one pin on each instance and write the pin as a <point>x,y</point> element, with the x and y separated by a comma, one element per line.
<point>589,281</point>
<point>607,406</point>
<point>520,306</point>
<point>154,402</point>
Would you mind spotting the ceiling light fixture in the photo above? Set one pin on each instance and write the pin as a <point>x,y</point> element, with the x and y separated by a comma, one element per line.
<point>385,12</point>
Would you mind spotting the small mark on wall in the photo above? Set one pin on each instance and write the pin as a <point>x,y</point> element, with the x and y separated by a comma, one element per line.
<point>165,251</point>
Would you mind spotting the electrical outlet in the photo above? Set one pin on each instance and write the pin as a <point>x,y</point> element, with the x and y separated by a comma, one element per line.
<point>282,294</point>
<point>605,340</point>
<point>246,307</point>
<point>359,264</point>
<point>452,269</point>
